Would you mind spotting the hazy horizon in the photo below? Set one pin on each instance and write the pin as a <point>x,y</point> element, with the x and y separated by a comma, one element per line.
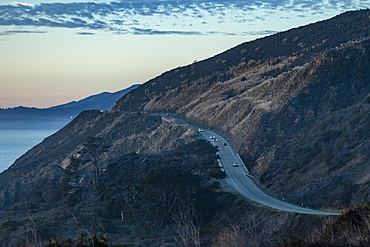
<point>57,52</point>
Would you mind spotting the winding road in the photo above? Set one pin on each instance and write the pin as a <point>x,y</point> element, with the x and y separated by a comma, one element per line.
<point>238,177</point>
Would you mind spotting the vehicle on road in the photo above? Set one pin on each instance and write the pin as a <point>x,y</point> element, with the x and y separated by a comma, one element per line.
<point>224,144</point>
<point>243,183</point>
<point>200,130</point>
<point>215,139</point>
<point>168,114</point>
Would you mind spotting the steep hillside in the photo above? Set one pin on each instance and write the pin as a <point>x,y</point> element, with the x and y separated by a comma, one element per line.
<point>301,44</point>
<point>123,133</point>
<point>299,86</point>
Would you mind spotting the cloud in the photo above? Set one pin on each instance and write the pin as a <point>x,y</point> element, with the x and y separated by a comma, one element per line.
<point>141,31</point>
<point>25,4</point>
<point>260,33</point>
<point>85,33</point>
<point>19,31</point>
<point>197,17</point>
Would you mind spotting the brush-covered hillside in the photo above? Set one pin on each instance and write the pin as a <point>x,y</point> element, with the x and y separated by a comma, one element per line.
<point>295,105</point>
<point>122,176</point>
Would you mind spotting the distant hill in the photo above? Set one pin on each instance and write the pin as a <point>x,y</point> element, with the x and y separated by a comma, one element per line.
<point>57,116</point>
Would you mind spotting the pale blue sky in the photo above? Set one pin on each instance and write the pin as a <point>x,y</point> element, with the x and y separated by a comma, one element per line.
<point>53,53</point>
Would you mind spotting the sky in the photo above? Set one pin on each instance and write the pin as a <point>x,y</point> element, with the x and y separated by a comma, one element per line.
<point>56,52</point>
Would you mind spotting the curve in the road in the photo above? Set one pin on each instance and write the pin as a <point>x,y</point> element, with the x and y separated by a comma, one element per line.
<point>238,176</point>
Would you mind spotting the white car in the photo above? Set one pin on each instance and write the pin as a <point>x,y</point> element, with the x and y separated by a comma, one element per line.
<point>200,130</point>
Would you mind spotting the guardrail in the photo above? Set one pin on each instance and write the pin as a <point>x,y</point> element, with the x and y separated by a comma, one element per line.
<point>246,169</point>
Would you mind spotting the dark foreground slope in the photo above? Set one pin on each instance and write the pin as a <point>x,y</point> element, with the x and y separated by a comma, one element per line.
<point>129,176</point>
<point>295,105</point>
<point>123,133</point>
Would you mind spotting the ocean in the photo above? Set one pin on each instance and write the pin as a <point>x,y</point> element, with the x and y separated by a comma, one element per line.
<point>15,143</point>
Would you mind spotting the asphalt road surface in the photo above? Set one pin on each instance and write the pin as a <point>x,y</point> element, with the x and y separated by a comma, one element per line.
<point>238,177</point>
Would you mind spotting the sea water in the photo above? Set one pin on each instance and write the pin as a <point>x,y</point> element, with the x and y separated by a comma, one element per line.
<point>15,143</point>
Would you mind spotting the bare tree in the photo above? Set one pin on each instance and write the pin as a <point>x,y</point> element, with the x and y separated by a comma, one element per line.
<point>94,148</point>
<point>74,174</point>
<point>32,238</point>
<point>252,230</point>
<point>247,233</point>
<point>187,226</point>
<point>231,237</point>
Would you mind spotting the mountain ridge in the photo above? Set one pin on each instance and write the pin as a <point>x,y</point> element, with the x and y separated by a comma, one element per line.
<point>57,116</point>
<point>296,42</point>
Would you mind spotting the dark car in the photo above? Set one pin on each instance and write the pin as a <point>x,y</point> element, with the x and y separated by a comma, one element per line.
<point>224,144</point>
<point>168,114</point>
<point>235,164</point>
